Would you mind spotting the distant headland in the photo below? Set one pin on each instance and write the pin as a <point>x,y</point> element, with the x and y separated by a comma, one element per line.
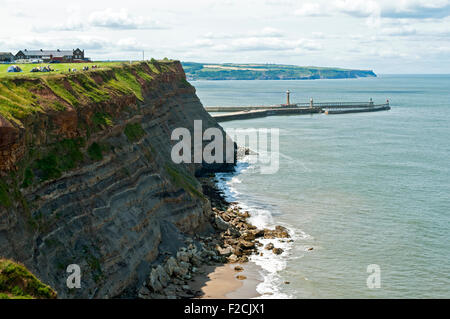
<point>232,71</point>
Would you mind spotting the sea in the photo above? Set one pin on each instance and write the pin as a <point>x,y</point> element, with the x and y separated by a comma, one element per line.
<point>365,196</point>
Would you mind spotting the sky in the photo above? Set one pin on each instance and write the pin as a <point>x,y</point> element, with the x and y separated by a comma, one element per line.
<point>387,36</point>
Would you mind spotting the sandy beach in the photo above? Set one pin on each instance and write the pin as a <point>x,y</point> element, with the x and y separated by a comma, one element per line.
<point>221,281</point>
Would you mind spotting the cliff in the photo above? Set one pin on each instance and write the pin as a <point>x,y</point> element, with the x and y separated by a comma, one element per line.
<point>234,71</point>
<point>87,177</point>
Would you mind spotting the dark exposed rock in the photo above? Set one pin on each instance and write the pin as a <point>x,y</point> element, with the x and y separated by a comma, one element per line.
<point>248,235</point>
<point>257,232</point>
<point>238,269</point>
<point>278,232</point>
<point>244,244</point>
<point>233,258</point>
<point>221,224</point>
<point>243,259</point>
<point>277,251</point>
<point>225,251</point>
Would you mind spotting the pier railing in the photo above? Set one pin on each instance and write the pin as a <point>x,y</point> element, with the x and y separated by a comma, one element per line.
<point>320,105</point>
<point>338,104</point>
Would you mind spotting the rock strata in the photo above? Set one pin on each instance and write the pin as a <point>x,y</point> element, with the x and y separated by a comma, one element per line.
<point>232,240</point>
<point>87,178</point>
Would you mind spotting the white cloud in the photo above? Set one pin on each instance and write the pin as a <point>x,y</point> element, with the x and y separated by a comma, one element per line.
<point>92,43</point>
<point>370,34</point>
<point>130,44</point>
<point>359,8</point>
<point>260,44</point>
<point>416,9</point>
<point>412,9</point>
<point>390,53</point>
<point>218,35</point>
<point>399,31</point>
<point>311,9</point>
<point>243,44</point>
<point>266,32</point>
<point>108,18</point>
<point>121,19</point>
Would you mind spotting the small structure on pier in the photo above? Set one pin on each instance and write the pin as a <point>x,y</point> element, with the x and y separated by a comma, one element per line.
<point>288,102</point>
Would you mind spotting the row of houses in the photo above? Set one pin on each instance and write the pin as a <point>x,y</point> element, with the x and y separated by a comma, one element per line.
<point>76,55</point>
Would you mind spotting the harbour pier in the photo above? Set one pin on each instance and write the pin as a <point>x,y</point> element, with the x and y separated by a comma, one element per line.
<point>248,112</point>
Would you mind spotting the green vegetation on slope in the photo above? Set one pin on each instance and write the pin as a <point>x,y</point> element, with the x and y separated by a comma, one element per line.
<point>22,94</point>
<point>134,132</point>
<point>102,120</point>
<point>232,71</point>
<point>183,180</point>
<point>17,100</point>
<point>16,282</point>
<point>96,150</point>
<point>63,156</point>
<point>4,195</point>
<point>98,91</point>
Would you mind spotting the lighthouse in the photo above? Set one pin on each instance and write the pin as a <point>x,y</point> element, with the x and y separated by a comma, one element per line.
<point>287,98</point>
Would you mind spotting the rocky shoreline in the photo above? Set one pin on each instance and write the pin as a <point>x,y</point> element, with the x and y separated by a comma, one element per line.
<point>232,240</point>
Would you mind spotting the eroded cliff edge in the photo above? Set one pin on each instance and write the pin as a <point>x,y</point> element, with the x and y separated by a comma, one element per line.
<point>87,177</point>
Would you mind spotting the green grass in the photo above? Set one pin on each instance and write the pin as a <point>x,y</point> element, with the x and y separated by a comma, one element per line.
<point>134,132</point>
<point>48,167</point>
<point>95,152</point>
<point>5,199</point>
<point>57,87</point>
<point>63,156</point>
<point>102,120</point>
<point>85,86</point>
<point>127,79</point>
<point>184,180</point>
<point>16,99</point>
<point>28,178</point>
<point>144,75</point>
<point>94,264</point>
<point>184,83</point>
<point>60,68</point>
<point>22,94</point>
<point>16,282</point>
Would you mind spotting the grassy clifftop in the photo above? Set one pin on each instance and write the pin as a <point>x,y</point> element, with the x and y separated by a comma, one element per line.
<point>233,71</point>
<point>50,124</point>
<point>22,94</point>
<point>16,282</point>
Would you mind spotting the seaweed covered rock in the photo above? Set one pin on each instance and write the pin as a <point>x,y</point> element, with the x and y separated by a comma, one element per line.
<point>16,282</point>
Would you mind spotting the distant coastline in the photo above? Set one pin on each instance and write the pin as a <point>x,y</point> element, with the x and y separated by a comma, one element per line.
<point>232,71</point>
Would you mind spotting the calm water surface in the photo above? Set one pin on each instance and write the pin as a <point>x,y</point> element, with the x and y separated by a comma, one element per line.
<point>359,189</point>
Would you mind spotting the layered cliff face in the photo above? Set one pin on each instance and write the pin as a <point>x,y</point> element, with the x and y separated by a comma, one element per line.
<point>87,177</point>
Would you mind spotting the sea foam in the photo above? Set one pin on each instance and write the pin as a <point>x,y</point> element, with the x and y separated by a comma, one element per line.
<point>262,217</point>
